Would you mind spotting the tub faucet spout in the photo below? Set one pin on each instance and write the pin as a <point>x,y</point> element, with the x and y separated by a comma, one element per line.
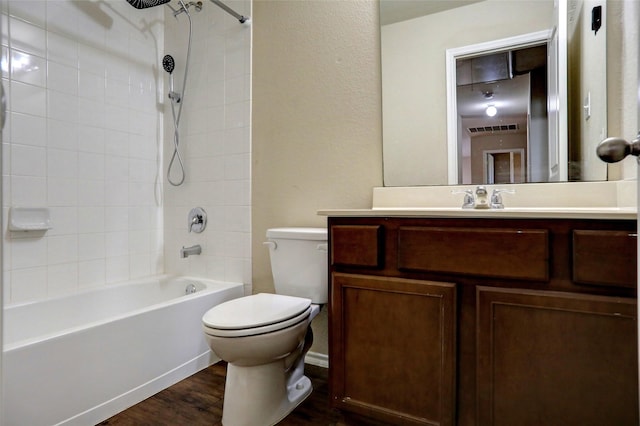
<point>190,251</point>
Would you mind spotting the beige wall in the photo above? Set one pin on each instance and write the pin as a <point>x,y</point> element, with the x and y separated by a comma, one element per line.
<point>316,118</point>
<point>622,79</point>
<point>587,51</point>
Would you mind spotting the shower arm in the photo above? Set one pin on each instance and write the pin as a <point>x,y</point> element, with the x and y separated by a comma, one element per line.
<point>230,11</point>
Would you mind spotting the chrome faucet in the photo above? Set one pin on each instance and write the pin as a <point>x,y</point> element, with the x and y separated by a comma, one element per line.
<point>190,251</point>
<point>469,202</point>
<point>496,198</point>
<point>481,198</point>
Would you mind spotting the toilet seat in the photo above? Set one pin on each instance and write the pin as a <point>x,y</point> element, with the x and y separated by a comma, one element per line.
<point>256,314</point>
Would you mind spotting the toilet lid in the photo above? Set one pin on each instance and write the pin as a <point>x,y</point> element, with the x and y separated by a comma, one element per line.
<point>257,310</point>
<point>317,234</point>
<point>253,331</point>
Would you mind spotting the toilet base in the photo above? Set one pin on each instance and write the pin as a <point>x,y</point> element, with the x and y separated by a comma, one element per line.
<point>260,395</point>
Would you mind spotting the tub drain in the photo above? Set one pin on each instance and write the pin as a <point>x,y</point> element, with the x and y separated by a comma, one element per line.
<point>191,288</point>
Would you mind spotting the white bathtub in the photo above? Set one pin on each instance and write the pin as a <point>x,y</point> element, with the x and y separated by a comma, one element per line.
<point>80,359</point>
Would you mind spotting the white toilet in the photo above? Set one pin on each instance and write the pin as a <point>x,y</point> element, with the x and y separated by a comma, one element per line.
<point>264,337</point>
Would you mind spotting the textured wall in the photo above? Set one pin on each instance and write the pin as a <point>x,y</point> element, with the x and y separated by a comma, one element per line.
<point>316,118</point>
<point>587,51</point>
<point>623,79</point>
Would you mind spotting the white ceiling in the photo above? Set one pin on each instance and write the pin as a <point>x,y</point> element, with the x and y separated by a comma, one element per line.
<point>510,97</point>
<point>400,10</point>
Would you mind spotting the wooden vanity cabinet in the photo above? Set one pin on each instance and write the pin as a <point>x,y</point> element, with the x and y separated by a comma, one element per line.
<point>396,347</point>
<point>555,358</point>
<point>436,321</point>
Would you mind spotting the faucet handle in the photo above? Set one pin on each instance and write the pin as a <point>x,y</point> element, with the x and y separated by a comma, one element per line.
<point>469,201</point>
<point>496,198</point>
<point>197,220</point>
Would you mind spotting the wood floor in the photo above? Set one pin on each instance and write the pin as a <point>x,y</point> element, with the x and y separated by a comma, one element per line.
<point>197,400</point>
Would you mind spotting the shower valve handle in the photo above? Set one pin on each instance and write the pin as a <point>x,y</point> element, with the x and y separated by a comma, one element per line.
<point>197,220</point>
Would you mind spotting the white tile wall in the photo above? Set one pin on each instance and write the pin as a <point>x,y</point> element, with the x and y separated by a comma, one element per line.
<point>215,144</point>
<point>83,138</point>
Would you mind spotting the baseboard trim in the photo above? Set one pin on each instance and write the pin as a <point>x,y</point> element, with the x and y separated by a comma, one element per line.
<point>317,359</point>
<point>132,397</point>
<point>122,402</point>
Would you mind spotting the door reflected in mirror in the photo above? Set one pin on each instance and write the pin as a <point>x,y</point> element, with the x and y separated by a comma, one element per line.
<point>504,166</point>
<point>501,107</point>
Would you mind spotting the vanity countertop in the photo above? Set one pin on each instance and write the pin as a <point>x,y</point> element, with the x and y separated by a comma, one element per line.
<point>574,200</point>
<point>515,213</point>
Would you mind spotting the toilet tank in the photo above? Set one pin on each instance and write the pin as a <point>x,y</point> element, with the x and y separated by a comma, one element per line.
<point>299,262</point>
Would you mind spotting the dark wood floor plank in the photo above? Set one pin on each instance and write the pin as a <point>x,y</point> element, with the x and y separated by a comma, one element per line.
<point>197,401</point>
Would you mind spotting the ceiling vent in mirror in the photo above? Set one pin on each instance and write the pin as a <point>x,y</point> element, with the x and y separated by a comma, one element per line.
<point>484,69</point>
<point>493,129</point>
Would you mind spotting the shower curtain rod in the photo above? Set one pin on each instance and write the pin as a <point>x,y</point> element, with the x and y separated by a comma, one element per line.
<point>230,11</point>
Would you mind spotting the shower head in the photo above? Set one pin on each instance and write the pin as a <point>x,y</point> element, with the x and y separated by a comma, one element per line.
<point>143,4</point>
<point>168,63</point>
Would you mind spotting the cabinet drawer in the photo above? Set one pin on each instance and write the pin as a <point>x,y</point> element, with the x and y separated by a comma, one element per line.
<point>357,245</point>
<point>489,252</point>
<point>605,258</point>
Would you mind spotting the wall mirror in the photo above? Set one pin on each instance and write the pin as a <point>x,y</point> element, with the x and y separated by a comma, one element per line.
<point>435,125</point>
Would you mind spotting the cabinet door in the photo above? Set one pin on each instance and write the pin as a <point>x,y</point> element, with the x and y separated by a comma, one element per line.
<point>392,351</point>
<point>550,358</point>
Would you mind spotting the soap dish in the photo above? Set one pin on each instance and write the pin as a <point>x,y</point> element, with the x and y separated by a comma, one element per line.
<point>29,219</point>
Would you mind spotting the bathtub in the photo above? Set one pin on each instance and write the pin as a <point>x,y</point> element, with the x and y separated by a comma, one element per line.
<point>79,359</point>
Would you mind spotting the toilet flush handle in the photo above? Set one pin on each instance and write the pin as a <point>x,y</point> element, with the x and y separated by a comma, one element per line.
<point>323,247</point>
<point>271,244</point>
